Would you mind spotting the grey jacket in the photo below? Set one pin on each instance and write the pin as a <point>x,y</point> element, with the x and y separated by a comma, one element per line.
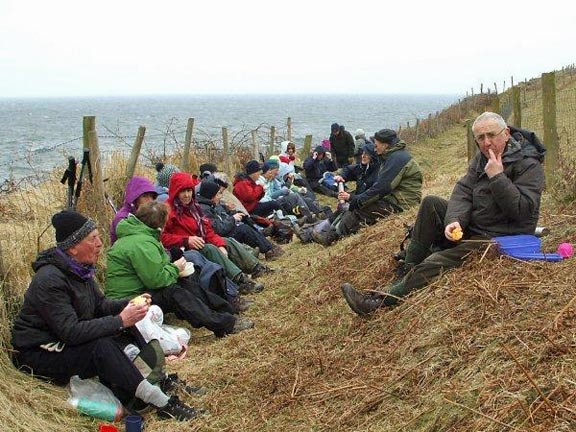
<point>506,204</point>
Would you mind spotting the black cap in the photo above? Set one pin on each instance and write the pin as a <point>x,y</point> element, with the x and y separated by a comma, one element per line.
<point>335,127</point>
<point>71,228</point>
<point>209,189</point>
<point>386,136</point>
<point>252,167</point>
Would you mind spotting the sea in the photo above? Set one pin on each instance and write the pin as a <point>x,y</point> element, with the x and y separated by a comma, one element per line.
<point>38,134</point>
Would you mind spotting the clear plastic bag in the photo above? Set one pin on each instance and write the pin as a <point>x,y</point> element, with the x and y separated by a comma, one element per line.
<point>171,339</point>
<point>94,399</point>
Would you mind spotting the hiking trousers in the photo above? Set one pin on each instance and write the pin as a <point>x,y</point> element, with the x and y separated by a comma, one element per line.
<point>213,254</point>
<point>429,252</point>
<point>246,234</point>
<point>352,219</point>
<point>240,255</point>
<point>103,357</point>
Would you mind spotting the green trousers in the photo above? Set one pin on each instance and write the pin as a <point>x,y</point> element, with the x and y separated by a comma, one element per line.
<point>212,253</point>
<point>241,256</point>
<point>429,252</point>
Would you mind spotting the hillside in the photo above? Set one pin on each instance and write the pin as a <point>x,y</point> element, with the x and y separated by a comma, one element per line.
<point>487,347</point>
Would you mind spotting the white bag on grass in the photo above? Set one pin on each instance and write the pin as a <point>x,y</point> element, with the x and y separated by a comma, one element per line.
<point>171,339</point>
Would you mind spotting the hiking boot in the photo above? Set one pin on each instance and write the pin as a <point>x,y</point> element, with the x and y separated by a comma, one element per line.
<point>177,410</point>
<point>173,383</point>
<point>247,285</point>
<point>242,323</point>
<point>362,304</point>
<point>325,238</point>
<point>241,304</point>
<point>304,234</point>
<point>261,269</point>
<point>272,254</point>
<point>268,231</point>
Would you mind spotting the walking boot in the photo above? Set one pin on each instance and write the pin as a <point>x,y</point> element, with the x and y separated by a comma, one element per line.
<point>177,410</point>
<point>242,324</point>
<point>241,304</point>
<point>362,304</point>
<point>325,238</point>
<point>247,285</point>
<point>272,254</point>
<point>172,383</point>
<point>260,270</point>
<point>304,234</point>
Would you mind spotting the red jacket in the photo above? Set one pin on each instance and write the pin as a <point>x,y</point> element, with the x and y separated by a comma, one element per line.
<point>247,191</point>
<point>181,222</point>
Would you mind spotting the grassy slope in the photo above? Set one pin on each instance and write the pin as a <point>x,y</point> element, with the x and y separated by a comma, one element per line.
<point>475,351</point>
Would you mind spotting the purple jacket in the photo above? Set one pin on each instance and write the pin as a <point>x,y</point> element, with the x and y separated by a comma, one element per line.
<point>136,186</point>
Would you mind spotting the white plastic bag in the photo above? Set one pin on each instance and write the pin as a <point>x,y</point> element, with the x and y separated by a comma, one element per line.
<point>170,340</point>
<point>94,399</point>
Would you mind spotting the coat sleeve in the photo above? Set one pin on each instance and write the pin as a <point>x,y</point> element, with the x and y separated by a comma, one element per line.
<point>222,223</point>
<point>211,236</point>
<point>55,305</point>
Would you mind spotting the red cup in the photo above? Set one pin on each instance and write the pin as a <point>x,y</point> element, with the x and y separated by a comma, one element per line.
<point>107,428</point>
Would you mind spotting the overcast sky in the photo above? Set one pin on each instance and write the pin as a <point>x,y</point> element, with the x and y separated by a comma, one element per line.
<point>128,47</point>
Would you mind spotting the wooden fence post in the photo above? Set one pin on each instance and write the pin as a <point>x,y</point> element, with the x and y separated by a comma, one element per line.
<point>255,145</point>
<point>88,124</point>
<point>549,117</point>
<point>289,129</point>
<point>307,147</point>
<point>517,107</point>
<point>470,143</point>
<point>272,140</point>
<point>496,104</point>
<point>131,167</point>
<point>185,164</point>
<point>97,200</point>
<point>227,166</point>
<point>417,130</point>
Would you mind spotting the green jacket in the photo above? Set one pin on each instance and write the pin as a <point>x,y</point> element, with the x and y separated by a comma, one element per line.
<point>137,262</point>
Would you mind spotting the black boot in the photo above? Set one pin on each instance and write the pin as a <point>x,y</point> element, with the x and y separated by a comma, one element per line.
<point>362,304</point>
<point>247,285</point>
<point>325,238</point>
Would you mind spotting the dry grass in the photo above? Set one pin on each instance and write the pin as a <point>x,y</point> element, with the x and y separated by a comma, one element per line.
<point>487,347</point>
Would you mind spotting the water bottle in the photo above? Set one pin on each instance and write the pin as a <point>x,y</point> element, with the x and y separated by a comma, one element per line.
<point>98,409</point>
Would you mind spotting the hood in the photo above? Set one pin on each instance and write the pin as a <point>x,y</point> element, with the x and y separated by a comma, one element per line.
<point>284,146</point>
<point>133,226</point>
<point>203,200</point>
<point>400,145</point>
<point>178,183</point>
<point>49,257</point>
<point>241,177</point>
<point>285,169</point>
<point>137,186</point>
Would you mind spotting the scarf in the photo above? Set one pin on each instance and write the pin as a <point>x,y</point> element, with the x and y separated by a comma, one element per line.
<point>83,271</point>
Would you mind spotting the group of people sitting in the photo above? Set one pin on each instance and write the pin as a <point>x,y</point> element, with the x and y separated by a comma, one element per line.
<point>178,244</point>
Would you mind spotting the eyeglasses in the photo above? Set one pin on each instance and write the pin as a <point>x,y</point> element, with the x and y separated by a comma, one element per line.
<point>489,135</point>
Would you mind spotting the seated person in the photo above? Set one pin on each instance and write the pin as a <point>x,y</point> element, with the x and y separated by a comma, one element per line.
<point>140,190</point>
<point>138,263</point>
<point>232,224</point>
<point>250,193</point>
<point>188,228</point>
<point>67,327</point>
<point>395,186</point>
<point>499,195</point>
<point>315,166</point>
<point>288,155</point>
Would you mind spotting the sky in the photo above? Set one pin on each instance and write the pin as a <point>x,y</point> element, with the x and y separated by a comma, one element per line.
<point>125,47</point>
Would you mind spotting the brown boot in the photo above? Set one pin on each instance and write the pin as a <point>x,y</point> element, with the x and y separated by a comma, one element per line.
<point>362,304</point>
<point>275,252</point>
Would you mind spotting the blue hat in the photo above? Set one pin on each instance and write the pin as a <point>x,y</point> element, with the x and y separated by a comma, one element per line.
<point>334,127</point>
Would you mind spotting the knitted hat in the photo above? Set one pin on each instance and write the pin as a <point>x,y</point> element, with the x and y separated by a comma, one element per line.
<point>320,149</point>
<point>209,189</point>
<point>359,133</point>
<point>269,164</point>
<point>71,228</point>
<point>164,173</point>
<point>335,127</point>
<point>207,168</point>
<point>252,167</point>
<point>386,136</point>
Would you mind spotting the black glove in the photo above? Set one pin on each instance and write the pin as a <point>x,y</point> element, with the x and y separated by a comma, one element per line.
<point>175,253</point>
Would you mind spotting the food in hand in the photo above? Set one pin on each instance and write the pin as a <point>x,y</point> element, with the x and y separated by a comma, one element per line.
<point>140,300</point>
<point>456,234</point>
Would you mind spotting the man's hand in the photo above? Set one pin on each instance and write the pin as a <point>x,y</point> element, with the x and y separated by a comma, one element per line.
<point>133,313</point>
<point>223,251</point>
<point>181,264</point>
<point>494,165</point>
<point>339,179</point>
<point>229,205</point>
<point>328,155</point>
<point>345,196</point>
<point>450,229</point>
<point>314,155</point>
<point>238,217</point>
<point>195,242</point>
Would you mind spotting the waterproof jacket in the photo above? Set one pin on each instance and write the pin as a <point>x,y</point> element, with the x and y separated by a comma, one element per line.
<point>222,222</point>
<point>315,168</point>
<point>247,191</point>
<point>365,175</point>
<point>135,187</point>
<point>185,221</point>
<point>60,306</point>
<point>507,203</point>
<point>137,262</point>
<point>342,145</point>
<point>399,180</point>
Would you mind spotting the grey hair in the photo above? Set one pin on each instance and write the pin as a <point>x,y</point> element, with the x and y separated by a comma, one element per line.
<point>485,116</point>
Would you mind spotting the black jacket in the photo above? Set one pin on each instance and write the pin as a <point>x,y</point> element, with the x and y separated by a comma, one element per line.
<point>61,307</point>
<point>315,168</point>
<point>365,175</point>
<point>222,222</point>
<point>342,145</point>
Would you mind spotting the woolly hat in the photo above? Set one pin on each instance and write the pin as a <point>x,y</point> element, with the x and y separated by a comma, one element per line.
<point>320,149</point>
<point>386,136</point>
<point>335,127</point>
<point>71,228</point>
<point>209,189</point>
<point>207,168</point>
<point>252,167</point>
<point>165,173</point>
<point>270,164</point>
<point>359,133</point>
<point>369,149</point>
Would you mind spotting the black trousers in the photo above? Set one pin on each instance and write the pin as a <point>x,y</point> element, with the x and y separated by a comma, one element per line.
<point>266,208</point>
<point>321,189</point>
<point>248,235</point>
<point>199,306</point>
<point>102,357</point>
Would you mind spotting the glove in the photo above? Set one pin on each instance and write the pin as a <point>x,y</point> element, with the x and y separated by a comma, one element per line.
<point>354,204</point>
<point>303,190</point>
<point>175,253</point>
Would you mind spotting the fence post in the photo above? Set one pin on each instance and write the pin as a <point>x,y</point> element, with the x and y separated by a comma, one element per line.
<point>255,145</point>
<point>307,147</point>
<point>549,117</point>
<point>227,167</point>
<point>131,167</point>
<point>185,164</point>
<point>88,124</point>
<point>98,200</point>
<point>272,140</point>
<point>470,143</point>
<point>496,104</point>
<point>289,128</point>
<point>517,107</point>
<point>417,130</point>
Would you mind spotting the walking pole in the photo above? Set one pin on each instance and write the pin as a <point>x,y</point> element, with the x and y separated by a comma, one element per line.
<point>85,161</point>
<point>70,177</point>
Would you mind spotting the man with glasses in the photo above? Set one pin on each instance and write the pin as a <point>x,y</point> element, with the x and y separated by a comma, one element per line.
<point>499,195</point>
